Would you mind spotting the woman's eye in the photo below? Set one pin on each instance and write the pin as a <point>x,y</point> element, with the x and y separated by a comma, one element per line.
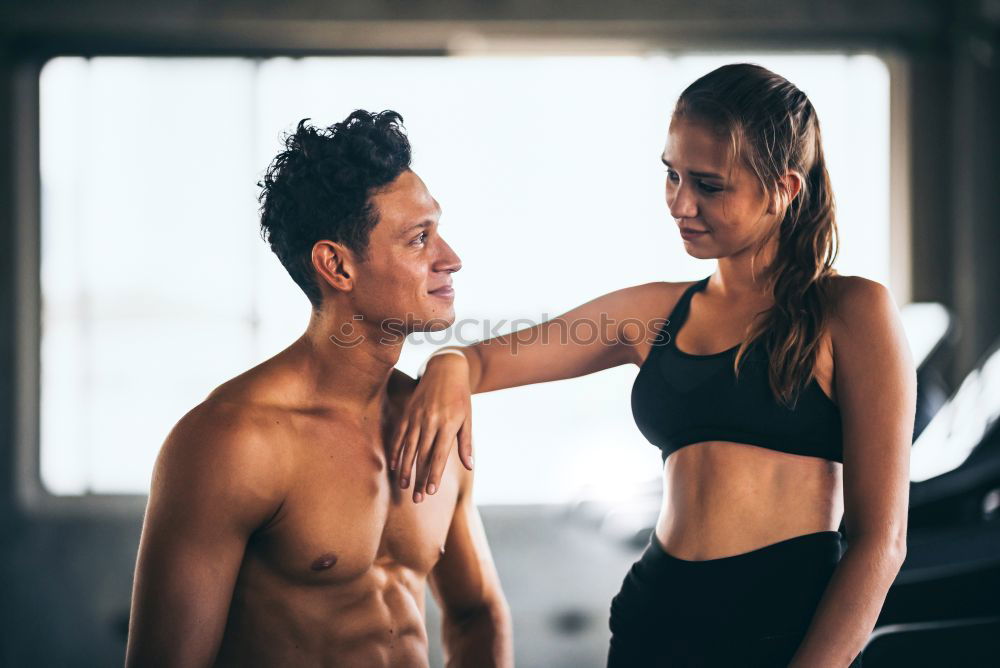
<point>709,188</point>
<point>672,176</point>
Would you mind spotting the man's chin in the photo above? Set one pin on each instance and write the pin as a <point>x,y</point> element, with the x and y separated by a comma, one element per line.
<point>437,323</point>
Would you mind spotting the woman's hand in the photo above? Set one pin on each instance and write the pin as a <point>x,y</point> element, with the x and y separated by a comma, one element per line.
<point>439,409</point>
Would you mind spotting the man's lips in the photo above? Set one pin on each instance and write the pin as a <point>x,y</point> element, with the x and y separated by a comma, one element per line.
<point>446,291</point>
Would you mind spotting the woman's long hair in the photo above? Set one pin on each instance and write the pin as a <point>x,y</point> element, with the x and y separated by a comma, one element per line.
<point>772,128</point>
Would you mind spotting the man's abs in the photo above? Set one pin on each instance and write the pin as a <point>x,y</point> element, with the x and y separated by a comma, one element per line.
<point>374,620</point>
<point>337,576</point>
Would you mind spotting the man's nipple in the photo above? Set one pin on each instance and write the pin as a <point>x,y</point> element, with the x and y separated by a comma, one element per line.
<point>324,562</point>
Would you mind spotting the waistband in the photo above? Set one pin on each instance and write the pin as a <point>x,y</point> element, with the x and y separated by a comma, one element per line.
<point>772,589</point>
<point>827,544</point>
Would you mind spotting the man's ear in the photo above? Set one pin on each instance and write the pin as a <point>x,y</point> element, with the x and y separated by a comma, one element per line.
<point>788,188</point>
<point>334,264</point>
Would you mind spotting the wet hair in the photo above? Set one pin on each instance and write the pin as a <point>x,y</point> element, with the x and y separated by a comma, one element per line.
<point>320,186</point>
<point>772,128</point>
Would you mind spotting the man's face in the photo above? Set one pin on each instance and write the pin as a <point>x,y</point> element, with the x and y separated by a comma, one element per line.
<point>407,276</point>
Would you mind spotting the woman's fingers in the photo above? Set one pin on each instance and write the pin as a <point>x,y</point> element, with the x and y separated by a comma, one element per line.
<point>397,441</point>
<point>408,454</point>
<point>427,434</point>
<point>439,457</point>
<point>465,442</point>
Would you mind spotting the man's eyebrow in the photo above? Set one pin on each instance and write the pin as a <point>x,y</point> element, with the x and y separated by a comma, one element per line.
<point>424,224</point>
<point>708,175</point>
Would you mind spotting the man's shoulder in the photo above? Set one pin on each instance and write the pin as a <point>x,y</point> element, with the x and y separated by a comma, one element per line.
<point>223,416</point>
<point>399,389</point>
<point>223,436</point>
<point>215,471</point>
<point>248,406</point>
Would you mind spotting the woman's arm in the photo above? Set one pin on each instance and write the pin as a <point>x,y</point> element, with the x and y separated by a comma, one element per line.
<point>592,337</point>
<point>876,389</point>
<point>603,333</point>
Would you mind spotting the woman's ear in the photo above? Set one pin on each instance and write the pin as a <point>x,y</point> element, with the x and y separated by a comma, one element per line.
<point>788,188</point>
<point>334,265</point>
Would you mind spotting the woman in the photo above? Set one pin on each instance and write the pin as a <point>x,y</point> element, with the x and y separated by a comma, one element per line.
<point>767,442</point>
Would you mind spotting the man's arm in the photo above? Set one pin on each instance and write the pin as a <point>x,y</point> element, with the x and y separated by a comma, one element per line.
<point>215,482</point>
<point>476,624</point>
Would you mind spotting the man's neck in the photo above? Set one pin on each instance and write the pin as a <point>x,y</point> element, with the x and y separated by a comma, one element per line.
<point>343,360</point>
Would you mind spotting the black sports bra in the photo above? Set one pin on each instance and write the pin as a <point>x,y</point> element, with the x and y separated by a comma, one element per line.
<point>679,399</point>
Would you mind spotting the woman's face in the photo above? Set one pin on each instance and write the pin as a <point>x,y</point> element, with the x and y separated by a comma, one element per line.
<point>706,192</point>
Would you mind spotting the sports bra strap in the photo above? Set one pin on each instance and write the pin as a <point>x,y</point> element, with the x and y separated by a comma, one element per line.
<point>680,311</point>
<point>665,337</point>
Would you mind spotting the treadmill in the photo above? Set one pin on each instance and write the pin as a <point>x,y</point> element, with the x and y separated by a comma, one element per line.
<point>945,601</point>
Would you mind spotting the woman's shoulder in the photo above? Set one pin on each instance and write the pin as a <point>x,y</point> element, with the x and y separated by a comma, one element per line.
<point>850,293</point>
<point>668,289</point>
<point>859,306</point>
<point>643,310</point>
<point>654,299</point>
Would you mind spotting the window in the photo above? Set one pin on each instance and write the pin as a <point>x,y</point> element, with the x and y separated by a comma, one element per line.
<point>157,287</point>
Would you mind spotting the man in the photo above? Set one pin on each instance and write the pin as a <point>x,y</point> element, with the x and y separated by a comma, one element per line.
<point>273,536</point>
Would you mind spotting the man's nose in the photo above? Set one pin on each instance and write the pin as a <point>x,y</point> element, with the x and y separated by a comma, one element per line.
<point>682,204</point>
<point>448,260</point>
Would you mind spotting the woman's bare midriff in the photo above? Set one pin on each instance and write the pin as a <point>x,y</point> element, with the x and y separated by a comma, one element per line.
<point>722,499</point>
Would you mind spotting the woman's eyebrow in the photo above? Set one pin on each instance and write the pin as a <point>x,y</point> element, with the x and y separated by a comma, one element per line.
<point>709,175</point>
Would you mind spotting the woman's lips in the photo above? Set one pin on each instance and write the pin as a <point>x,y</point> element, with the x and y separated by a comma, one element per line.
<point>688,233</point>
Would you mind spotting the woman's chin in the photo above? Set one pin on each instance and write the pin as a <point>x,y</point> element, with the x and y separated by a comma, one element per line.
<point>699,253</point>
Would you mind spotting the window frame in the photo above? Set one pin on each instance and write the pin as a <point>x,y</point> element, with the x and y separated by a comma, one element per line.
<point>33,498</point>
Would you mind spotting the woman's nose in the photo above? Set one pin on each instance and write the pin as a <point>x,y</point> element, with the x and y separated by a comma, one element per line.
<point>682,204</point>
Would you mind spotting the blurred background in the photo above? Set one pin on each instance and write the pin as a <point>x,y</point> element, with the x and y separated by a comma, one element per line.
<point>133,279</point>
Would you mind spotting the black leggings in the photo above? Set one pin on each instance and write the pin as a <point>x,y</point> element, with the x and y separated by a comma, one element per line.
<point>750,609</point>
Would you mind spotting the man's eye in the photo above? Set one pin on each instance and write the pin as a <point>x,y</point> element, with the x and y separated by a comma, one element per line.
<point>421,238</point>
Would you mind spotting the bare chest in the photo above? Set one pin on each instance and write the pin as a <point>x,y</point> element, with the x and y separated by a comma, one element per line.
<point>344,515</point>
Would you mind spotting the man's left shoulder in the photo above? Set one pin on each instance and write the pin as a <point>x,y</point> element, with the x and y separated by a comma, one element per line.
<point>399,388</point>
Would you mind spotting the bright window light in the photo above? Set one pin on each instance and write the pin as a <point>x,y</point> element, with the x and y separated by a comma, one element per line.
<point>157,286</point>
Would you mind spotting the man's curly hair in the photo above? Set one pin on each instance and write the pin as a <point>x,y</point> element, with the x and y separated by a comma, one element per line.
<point>320,187</point>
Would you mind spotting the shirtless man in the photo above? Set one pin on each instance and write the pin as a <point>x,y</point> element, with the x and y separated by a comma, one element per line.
<point>273,536</point>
